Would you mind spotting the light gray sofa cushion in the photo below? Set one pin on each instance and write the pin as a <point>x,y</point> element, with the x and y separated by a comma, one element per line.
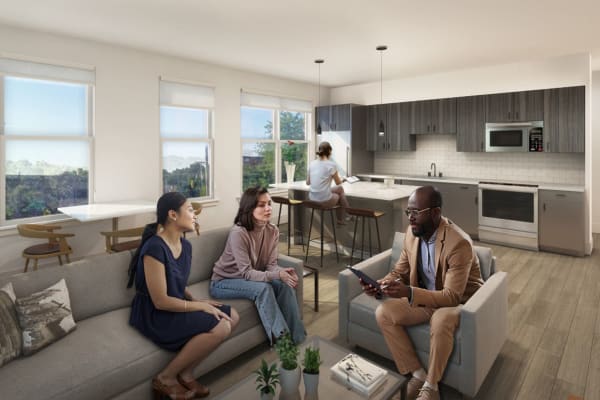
<point>206,249</point>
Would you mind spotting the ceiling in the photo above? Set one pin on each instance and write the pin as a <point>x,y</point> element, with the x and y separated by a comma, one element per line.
<point>283,37</point>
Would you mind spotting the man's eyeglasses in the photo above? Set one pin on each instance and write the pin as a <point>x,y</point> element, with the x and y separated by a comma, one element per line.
<point>415,213</point>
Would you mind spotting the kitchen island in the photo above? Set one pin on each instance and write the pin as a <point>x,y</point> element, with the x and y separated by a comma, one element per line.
<point>390,199</point>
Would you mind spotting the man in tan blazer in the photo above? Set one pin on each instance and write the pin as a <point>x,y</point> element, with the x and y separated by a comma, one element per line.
<point>437,271</point>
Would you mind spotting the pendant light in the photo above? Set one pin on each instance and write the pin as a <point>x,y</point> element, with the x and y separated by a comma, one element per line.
<point>381,49</point>
<point>319,61</point>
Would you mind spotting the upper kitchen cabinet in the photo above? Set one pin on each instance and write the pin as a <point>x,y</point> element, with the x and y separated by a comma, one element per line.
<point>434,116</point>
<point>564,120</point>
<point>397,123</point>
<point>470,123</point>
<point>322,118</point>
<point>515,106</point>
<point>334,118</point>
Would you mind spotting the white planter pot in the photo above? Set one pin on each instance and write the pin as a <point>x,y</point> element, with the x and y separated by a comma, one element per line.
<point>289,380</point>
<point>266,396</point>
<point>290,170</point>
<point>311,386</point>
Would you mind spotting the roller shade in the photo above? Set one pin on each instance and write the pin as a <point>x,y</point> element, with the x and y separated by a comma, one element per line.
<point>185,94</point>
<point>10,66</point>
<point>282,103</point>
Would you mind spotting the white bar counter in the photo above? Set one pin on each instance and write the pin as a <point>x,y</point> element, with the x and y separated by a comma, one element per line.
<point>361,189</point>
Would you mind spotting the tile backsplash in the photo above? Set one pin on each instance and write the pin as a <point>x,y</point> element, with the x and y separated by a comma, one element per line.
<point>564,168</point>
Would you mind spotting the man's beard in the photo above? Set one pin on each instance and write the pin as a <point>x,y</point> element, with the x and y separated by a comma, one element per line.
<point>424,229</point>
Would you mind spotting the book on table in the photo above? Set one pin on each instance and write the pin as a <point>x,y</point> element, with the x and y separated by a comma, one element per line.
<point>358,374</point>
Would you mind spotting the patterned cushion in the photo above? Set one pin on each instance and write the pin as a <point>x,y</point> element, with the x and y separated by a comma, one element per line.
<point>45,317</point>
<point>10,332</point>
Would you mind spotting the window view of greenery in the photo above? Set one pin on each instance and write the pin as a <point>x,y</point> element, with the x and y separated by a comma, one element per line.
<point>43,173</point>
<point>259,157</point>
<point>185,163</point>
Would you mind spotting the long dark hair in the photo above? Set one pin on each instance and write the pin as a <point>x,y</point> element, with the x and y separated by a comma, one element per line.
<point>248,203</point>
<point>324,149</point>
<point>167,202</point>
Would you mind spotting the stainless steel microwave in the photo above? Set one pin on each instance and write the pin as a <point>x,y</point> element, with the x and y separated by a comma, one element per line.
<point>514,136</point>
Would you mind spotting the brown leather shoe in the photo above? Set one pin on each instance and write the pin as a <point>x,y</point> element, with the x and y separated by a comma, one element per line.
<point>174,392</point>
<point>413,387</point>
<point>427,393</point>
<point>195,386</point>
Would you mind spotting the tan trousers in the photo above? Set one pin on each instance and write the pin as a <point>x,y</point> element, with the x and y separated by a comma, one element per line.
<point>394,314</point>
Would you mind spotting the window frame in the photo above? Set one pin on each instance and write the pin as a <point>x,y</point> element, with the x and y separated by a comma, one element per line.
<point>209,139</point>
<point>88,138</point>
<point>277,141</point>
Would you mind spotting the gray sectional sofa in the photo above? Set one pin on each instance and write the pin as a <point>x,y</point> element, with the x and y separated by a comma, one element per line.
<point>104,357</point>
<point>477,342</point>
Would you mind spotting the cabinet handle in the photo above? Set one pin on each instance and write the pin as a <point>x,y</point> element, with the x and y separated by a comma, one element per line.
<point>464,187</point>
<point>517,117</point>
<point>544,207</point>
<point>433,128</point>
<point>476,200</point>
<point>482,145</point>
<point>427,128</point>
<point>561,195</point>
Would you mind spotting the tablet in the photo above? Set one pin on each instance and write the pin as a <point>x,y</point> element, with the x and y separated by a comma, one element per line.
<point>366,278</point>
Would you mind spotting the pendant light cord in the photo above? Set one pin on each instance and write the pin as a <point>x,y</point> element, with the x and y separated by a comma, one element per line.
<point>381,77</point>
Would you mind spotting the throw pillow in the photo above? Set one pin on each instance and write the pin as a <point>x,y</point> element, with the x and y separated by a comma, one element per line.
<point>10,332</point>
<point>45,317</point>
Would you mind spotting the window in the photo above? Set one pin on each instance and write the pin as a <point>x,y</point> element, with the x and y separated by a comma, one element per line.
<point>274,131</point>
<point>186,135</point>
<point>46,138</point>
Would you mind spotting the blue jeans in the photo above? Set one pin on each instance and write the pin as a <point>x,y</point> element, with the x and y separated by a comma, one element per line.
<point>275,301</point>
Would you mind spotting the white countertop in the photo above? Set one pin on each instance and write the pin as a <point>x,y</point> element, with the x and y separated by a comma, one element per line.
<point>366,190</point>
<point>472,181</point>
<point>99,211</point>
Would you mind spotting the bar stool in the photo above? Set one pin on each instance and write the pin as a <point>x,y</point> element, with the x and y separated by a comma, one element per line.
<point>314,205</point>
<point>369,214</point>
<point>290,205</point>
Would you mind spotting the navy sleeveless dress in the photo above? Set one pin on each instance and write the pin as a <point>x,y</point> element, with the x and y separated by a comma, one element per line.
<point>169,330</point>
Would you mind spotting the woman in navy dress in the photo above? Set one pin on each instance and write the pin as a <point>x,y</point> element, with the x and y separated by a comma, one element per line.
<point>164,310</point>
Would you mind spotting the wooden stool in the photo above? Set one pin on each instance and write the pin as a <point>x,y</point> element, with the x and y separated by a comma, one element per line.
<point>315,205</point>
<point>290,205</point>
<point>369,214</point>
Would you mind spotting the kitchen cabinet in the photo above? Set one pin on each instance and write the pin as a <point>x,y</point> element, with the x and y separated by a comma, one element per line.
<point>434,116</point>
<point>396,119</point>
<point>334,118</point>
<point>561,221</point>
<point>459,203</point>
<point>470,123</point>
<point>564,120</point>
<point>515,106</point>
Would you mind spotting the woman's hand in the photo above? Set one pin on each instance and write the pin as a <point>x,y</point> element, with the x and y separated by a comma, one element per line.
<point>289,277</point>
<point>209,308</point>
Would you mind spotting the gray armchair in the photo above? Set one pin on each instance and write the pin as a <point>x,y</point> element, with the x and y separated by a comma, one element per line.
<point>477,341</point>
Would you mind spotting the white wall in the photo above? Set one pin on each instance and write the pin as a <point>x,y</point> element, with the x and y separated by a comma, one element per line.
<point>563,71</point>
<point>127,162</point>
<point>595,150</point>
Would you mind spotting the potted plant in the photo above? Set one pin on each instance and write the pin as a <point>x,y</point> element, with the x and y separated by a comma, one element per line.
<point>266,380</point>
<point>289,153</point>
<point>311,363</point>
<point>289,373</point>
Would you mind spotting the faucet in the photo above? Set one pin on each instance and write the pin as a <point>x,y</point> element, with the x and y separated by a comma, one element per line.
<point>434,169</point>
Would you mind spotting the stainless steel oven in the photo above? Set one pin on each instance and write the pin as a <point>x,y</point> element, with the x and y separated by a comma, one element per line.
<point>508,214</point>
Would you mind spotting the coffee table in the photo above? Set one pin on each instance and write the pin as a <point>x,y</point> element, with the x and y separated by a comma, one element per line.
<point>330,353</point>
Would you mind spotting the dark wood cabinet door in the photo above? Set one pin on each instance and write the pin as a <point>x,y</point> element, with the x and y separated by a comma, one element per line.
<point>392,129</point>
<point>408,142</point>
<point>499,107</point>
<point>529,106</point>
<point>371,127</point>
<point>561,218</point>
<point>470,123</point>
<point>323,118</point>
<point>341,117</point>
<point>445,120</point>
<point>420,117</point>
<point>571,120</point>
<point>564,120</point>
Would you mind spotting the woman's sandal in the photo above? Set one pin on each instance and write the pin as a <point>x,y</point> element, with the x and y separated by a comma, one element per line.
<point>195,386</point>
<point>174,392</point>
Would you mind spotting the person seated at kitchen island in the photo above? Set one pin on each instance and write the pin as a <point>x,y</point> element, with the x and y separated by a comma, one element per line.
<point>422,290</point>
<point>164,310</point>
<point>248,268</point>
<point>321,172</point>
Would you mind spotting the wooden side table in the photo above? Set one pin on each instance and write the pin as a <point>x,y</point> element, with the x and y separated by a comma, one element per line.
<point>308,270</point>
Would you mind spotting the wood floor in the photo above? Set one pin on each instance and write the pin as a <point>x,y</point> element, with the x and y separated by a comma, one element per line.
<point>553,346</point>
